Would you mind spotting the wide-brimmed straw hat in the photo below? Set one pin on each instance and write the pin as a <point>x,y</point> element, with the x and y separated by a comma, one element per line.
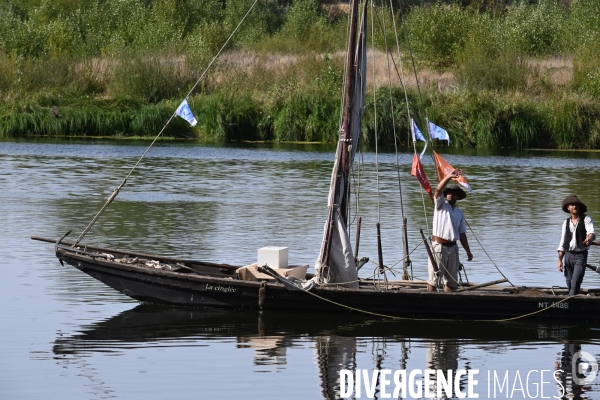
<point>572,199</point>
<point>455,188</point>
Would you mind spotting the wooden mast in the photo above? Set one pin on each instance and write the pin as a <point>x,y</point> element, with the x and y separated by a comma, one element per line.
<point>342,165</point>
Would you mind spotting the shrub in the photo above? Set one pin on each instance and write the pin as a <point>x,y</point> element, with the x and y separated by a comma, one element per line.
<point>437,33</point>
<point>536,30</point>
<point>583,24</point>
<point>586,71</point>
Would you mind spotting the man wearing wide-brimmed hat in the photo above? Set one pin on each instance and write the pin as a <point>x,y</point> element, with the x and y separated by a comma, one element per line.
<point>448,228</point>
<point>577,235</point>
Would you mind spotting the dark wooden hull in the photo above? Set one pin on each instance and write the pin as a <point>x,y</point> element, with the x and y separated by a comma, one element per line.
<point>216,285</point>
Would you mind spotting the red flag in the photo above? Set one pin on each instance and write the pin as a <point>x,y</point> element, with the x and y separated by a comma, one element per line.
<point>418,171</point>
<point>443,168</point>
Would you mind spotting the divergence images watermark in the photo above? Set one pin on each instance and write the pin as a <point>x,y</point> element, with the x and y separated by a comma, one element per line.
<point>585,368</point>
<point>435,383</point>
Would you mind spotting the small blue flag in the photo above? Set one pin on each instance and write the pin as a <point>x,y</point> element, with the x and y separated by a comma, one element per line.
<point>185,112</point>
<point>417,134</point>
<point>437,133</point>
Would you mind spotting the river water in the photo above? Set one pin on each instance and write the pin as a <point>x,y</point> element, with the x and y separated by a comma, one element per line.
<point>66,336</point>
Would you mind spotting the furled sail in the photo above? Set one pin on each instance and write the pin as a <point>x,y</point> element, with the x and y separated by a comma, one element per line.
<point>336,262</point>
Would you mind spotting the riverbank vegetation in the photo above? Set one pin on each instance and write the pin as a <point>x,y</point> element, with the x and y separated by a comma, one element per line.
<point>494,75</point>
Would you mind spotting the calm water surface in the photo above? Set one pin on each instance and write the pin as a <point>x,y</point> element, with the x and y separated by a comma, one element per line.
<point>66,336</point>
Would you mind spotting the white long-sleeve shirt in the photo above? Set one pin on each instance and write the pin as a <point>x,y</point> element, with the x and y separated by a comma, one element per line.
<point>589,227</point>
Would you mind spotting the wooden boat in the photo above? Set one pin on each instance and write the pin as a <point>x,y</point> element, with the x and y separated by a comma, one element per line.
<point>173,281</point>
<point>336,284</point>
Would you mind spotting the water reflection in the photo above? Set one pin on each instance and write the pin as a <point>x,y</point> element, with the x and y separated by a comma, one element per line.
<point>443,355</point>
<point>339,342</point>
<point>334,353</point>
<point>222,203</point>
<point>270,351</point>
<point>569,368</point>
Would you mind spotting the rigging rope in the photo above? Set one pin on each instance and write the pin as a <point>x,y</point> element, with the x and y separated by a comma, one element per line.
<point>375,111</point>
<point>415,73</point>
<point>388,55</point>
<point>116,191</point>
<point>486,253</point>
<point>403,83</point>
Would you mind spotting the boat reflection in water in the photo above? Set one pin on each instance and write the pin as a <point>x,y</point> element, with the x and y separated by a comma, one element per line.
<point>347,342</point>
<point>270,349</point>
<point>334,353</point>
<point>443,355</point>
<point>569,369</point>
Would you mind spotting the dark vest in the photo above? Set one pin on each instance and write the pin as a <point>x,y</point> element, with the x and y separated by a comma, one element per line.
<point>580,234</point>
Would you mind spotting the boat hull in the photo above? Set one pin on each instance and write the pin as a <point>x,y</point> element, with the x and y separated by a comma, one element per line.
<point>226,291</point>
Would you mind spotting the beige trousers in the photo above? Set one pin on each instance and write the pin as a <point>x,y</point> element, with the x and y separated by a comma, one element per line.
<point>448,264</point>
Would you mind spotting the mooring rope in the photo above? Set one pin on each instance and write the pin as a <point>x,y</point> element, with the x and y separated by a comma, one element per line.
<point>116,191</point>
<point>431,319</point>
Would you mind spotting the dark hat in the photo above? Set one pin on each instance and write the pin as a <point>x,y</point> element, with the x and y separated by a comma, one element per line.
<point>572,199</point>
<point>461,193</point>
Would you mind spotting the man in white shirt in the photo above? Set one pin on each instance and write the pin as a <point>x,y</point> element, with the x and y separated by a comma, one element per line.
<point>577,235</point>
<point>448,227</point>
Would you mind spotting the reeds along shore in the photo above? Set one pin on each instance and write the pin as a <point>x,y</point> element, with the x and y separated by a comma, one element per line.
<point>519,76</point>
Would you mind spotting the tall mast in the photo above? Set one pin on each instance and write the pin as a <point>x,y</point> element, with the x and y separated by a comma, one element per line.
<point>340,182</point>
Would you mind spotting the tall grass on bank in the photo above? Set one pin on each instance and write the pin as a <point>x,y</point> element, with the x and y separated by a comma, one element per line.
<point>573,122</point>
<point>115,118</point>
<point>151,78</point>
<point>121,67</point>
<point>287,100</point>
<point>484,119</point>
<point>493,120</point>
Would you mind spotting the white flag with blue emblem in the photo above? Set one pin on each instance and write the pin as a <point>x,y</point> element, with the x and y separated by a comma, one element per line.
<point>185,112</point>
<point>418,135</point>
<point>436,132</point>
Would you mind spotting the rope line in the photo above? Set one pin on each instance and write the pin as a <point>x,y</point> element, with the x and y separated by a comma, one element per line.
<point>401,77</point>
<point>375,112</point>
<point>486,253</point>
<point>116,191</point>
<point>429,319</point>
<point>393,114</point>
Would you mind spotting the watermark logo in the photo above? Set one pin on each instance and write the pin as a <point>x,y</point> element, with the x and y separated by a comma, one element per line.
<point>585,368</point>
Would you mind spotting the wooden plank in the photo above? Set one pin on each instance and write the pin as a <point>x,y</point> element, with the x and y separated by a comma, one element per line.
<point>482,285</point>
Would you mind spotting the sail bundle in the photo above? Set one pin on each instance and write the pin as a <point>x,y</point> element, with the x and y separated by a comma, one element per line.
<point>336,263</point>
